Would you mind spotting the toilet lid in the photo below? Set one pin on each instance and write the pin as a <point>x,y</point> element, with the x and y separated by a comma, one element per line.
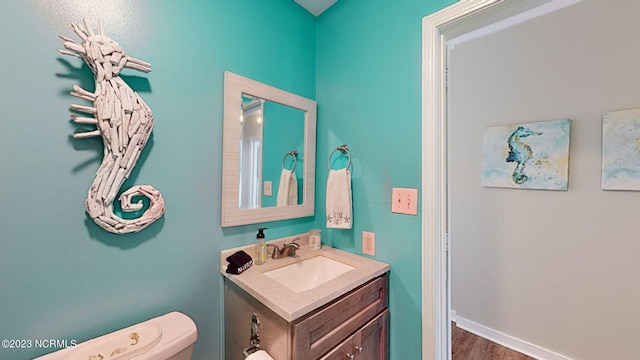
<point>120,345</point>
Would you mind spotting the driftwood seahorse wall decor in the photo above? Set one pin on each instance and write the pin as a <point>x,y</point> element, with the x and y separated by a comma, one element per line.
<point>123,120</point>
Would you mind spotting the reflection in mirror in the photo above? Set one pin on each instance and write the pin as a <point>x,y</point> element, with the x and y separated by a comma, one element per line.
<point>250,153</point>
<point>270,132</point>
<point>263,128</point>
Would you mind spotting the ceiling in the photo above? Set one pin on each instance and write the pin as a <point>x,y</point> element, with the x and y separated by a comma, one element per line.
<point>316,7</point>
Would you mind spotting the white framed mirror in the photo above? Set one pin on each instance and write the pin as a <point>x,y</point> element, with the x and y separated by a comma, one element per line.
<point>268,161</point>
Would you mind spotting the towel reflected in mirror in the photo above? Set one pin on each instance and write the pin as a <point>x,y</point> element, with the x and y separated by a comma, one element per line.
<point>288,189</point>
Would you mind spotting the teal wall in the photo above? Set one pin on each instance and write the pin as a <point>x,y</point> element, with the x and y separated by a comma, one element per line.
<point>62,277</point>
<point>369,97</point>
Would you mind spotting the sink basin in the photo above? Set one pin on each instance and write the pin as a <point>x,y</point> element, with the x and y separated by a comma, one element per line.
<point>308,274</point>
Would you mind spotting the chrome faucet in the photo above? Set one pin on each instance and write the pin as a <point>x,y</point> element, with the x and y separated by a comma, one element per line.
<point>288,249</point>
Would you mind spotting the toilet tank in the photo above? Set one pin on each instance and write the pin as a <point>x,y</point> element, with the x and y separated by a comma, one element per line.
<point>167,337</point>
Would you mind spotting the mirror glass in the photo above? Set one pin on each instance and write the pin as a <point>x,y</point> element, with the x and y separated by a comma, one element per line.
<point>271,146</point>
<point>268,153</point>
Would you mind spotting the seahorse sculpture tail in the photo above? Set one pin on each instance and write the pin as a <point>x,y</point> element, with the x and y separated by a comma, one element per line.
<point>125,123</point>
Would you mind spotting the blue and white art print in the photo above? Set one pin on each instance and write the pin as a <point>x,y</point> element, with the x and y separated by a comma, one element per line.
<point>527,156</point>
<point>621,150</point>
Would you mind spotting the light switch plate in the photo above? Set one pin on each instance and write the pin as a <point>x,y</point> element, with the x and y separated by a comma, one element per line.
<point>369,243</point>
<point>268,188</point>
<point>404,201</point>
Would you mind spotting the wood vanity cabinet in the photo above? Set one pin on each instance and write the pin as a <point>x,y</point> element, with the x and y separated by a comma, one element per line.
<point>353,326</point>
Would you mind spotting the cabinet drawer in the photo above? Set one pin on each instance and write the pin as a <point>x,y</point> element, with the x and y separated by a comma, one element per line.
<point>327,327</point>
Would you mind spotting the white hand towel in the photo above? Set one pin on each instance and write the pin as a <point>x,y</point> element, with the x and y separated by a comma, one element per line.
<point>293,189</point>
<point>259,355</point>
<point>339,209</point>
<point>287,189</point>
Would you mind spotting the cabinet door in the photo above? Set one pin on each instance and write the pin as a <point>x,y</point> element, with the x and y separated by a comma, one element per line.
<point>321,331</point>
<point>371,342</point>
<point>341,352</point>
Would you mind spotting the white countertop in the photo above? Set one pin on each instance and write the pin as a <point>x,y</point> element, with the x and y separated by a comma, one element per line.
<point>287,303</point>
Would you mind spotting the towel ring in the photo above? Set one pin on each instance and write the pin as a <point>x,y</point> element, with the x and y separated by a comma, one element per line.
<point>293,153</point>
<point>343,149</point>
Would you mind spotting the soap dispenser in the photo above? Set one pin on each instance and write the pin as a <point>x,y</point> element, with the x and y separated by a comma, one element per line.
<point>261,248</point>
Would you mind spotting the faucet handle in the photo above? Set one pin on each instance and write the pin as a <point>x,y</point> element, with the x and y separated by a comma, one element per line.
<point>294,243</point>
<point>276,251</point>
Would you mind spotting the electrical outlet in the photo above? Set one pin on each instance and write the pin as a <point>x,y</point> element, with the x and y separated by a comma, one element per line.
<point>369,243</point>
<point>404,201</point>
<point>268,188</point>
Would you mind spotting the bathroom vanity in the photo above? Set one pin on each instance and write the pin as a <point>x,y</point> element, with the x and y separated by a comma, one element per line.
<point>333,315</point>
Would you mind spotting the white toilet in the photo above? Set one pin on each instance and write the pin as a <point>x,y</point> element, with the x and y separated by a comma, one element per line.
<point>167,337</point>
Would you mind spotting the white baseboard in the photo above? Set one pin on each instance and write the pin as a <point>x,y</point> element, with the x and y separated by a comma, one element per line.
<point>505,340</point>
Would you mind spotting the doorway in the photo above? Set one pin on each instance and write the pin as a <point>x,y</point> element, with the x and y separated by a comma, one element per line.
<point>460,22</point>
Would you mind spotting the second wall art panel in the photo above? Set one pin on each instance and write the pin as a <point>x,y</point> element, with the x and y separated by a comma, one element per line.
<point>621,150</point>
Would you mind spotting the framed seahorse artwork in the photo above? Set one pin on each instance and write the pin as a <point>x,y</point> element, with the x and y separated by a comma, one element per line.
<point>621,150</point>
<point>527,156</point>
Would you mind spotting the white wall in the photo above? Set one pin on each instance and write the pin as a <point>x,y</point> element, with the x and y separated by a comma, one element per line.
<point>557,269</point>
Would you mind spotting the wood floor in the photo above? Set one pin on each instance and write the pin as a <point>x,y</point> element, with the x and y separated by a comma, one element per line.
<point>468,346</point>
